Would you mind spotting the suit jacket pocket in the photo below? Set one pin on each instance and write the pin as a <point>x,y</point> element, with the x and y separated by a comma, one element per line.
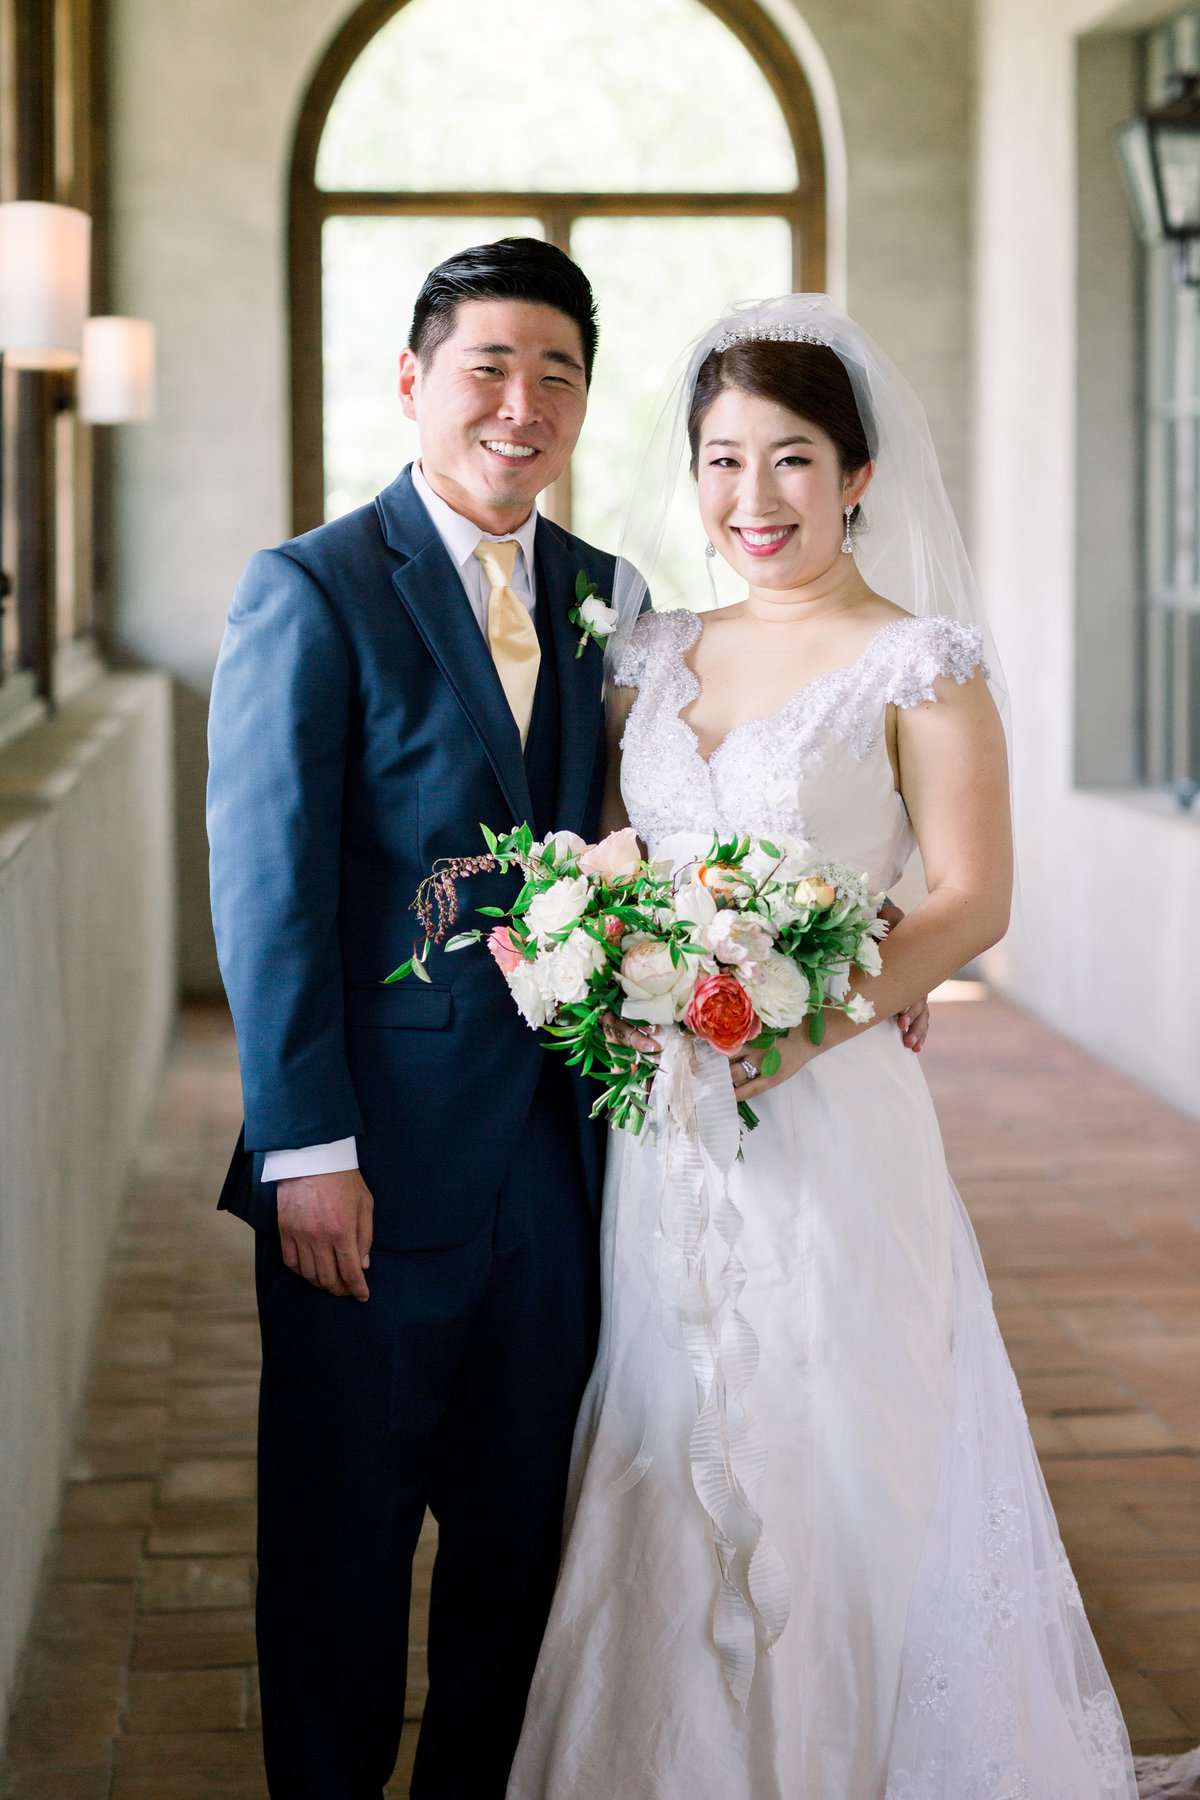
<point>408,1006</point>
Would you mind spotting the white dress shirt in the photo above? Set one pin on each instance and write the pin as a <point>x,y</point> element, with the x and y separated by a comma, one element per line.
<point>460,537</point>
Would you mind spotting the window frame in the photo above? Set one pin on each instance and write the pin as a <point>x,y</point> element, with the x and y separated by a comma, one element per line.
<point>803,207</point>
<point>1170,551</point>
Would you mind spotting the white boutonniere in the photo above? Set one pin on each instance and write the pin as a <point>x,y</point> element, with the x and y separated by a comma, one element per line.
<point>596,620</point>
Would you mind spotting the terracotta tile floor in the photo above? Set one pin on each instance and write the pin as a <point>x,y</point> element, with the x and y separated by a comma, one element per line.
<point>139,1677</point>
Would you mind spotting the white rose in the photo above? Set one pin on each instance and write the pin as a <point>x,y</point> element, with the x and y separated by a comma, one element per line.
<point>740,939</point>
<point>557,909</point>
<point>781,908</point>
<point>695,906</point>
<point>529,988</point>
<point>600,619</point>
<point>563,847</point>
<point>570,967</point>
<point>860,1011</point>
<point>794,857</point>
<point>779,991</point>
<point>657,990</point>
<point>868,958</point>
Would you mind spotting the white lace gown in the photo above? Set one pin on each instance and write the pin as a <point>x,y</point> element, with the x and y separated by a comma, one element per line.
<point>930,1644</point>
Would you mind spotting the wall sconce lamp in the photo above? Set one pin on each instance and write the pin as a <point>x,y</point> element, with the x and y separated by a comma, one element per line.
<point>45,275</point>
<point>116,376</point>
<point>1159,154</point>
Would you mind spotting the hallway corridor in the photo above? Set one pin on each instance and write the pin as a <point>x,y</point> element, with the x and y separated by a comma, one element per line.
<point>139,1681</point>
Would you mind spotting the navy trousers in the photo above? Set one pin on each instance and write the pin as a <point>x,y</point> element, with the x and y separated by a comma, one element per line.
<point>454,1387</point>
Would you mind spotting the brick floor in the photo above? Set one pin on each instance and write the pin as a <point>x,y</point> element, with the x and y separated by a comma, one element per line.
<point>139,1679</point>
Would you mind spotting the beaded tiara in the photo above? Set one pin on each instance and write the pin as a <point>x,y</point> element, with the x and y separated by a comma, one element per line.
<point>772,334</point>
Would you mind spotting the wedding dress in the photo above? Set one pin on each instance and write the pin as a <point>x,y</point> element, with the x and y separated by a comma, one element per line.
<point>912,1630</point>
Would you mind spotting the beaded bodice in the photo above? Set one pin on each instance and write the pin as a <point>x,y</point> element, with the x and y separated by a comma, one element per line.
<point>817,770</point>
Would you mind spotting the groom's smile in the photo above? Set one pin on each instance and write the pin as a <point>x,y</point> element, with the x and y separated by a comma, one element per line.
<point>499,402</point>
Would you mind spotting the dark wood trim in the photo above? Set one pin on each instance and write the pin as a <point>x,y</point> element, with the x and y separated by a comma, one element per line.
<point>33,446</point>
<point>34,484</point>
<point>309,207</point>
<point>555,207</point>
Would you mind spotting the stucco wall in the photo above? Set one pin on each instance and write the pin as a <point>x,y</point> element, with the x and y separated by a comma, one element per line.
<point>1106,948</point>
<point>205,98</point>
<point>87,985</point>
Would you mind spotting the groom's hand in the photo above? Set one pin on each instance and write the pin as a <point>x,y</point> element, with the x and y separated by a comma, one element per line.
<point>325,1229</point>
<point>913,1022</point>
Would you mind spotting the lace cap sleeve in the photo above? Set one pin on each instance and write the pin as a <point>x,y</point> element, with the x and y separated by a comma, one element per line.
<point>927,648</point>
<point>650,634</point>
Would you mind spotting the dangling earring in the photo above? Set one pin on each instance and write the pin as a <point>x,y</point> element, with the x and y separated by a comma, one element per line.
<point>709,550</point>
<point>710,556</point>
<point>848,541</point>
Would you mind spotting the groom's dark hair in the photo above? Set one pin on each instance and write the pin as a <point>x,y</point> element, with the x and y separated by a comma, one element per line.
<point>513,268</point>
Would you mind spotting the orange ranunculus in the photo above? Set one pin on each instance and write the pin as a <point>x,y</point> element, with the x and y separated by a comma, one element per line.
<point>718,878</point>
<point>505,948</point>
<point>721,1011</point>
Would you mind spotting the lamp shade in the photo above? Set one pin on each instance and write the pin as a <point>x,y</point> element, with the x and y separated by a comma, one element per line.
<point>45,261</point>
<point>116,377</point>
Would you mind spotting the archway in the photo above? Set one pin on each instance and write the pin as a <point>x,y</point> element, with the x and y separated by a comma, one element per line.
<point>672,146</point>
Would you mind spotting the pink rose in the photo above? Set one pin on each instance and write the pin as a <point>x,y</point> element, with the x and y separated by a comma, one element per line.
<point>506,949</point>
<point>615,858</point>
<point>721,1011</point>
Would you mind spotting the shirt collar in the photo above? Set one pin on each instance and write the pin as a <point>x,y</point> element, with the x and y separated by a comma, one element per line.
<point>460,536</point>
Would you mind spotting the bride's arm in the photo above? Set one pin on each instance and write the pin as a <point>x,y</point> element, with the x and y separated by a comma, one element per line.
<point>618,702</point>
<point>954,779</point>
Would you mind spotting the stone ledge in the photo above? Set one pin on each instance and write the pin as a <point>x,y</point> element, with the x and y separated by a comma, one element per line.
<point>45,763</point>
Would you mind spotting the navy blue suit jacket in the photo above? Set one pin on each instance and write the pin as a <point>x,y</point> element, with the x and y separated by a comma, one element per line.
<point>358,732</point>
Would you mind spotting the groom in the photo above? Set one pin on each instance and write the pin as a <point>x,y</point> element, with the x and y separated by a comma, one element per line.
<point>424,1181</point>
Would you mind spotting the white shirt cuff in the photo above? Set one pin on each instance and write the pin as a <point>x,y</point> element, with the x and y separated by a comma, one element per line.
<point>314,1159</point>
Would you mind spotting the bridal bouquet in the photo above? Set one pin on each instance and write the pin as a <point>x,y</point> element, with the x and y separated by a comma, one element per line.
<point>737,949</point>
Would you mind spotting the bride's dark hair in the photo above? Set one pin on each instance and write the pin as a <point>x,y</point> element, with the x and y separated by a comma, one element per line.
<point>809,379</point>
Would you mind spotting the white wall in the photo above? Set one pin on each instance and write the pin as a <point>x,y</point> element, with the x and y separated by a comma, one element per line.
<point>205,95</point>
<point>86,1002</point>
<point>1107,949</point>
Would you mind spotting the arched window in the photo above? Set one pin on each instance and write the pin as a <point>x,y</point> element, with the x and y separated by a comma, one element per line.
<point>671,146</point>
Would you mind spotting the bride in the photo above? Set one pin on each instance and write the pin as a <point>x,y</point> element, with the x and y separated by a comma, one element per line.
<point>861,1593</point>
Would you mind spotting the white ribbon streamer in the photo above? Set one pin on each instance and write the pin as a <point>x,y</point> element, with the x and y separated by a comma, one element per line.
<point>694,1119</point>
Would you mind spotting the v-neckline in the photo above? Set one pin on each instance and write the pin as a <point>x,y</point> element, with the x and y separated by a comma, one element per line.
<point>763,718</point>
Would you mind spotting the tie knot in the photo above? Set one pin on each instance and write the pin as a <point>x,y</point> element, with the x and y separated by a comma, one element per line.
<point>498,560</point>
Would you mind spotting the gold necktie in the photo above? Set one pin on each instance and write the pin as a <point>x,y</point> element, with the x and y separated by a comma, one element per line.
<point>512,636</point>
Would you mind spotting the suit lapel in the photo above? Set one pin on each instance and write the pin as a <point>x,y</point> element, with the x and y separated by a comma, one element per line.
<point>580,679</point>
<point>429,588</point>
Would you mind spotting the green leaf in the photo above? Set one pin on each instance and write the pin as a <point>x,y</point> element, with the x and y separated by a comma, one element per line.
<point>489,838</point>
<point>816,1026</point>
<point>421,972</point>
<point>462,939</point>
<point>398,974</point>
<point>581,585</point>
<point>491,912</point>
<point>764,1040</point>
<point>770,848</point>
<point>771,1063</point>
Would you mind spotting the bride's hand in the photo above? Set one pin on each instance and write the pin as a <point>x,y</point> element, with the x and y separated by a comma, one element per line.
<point>795,1050</point>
